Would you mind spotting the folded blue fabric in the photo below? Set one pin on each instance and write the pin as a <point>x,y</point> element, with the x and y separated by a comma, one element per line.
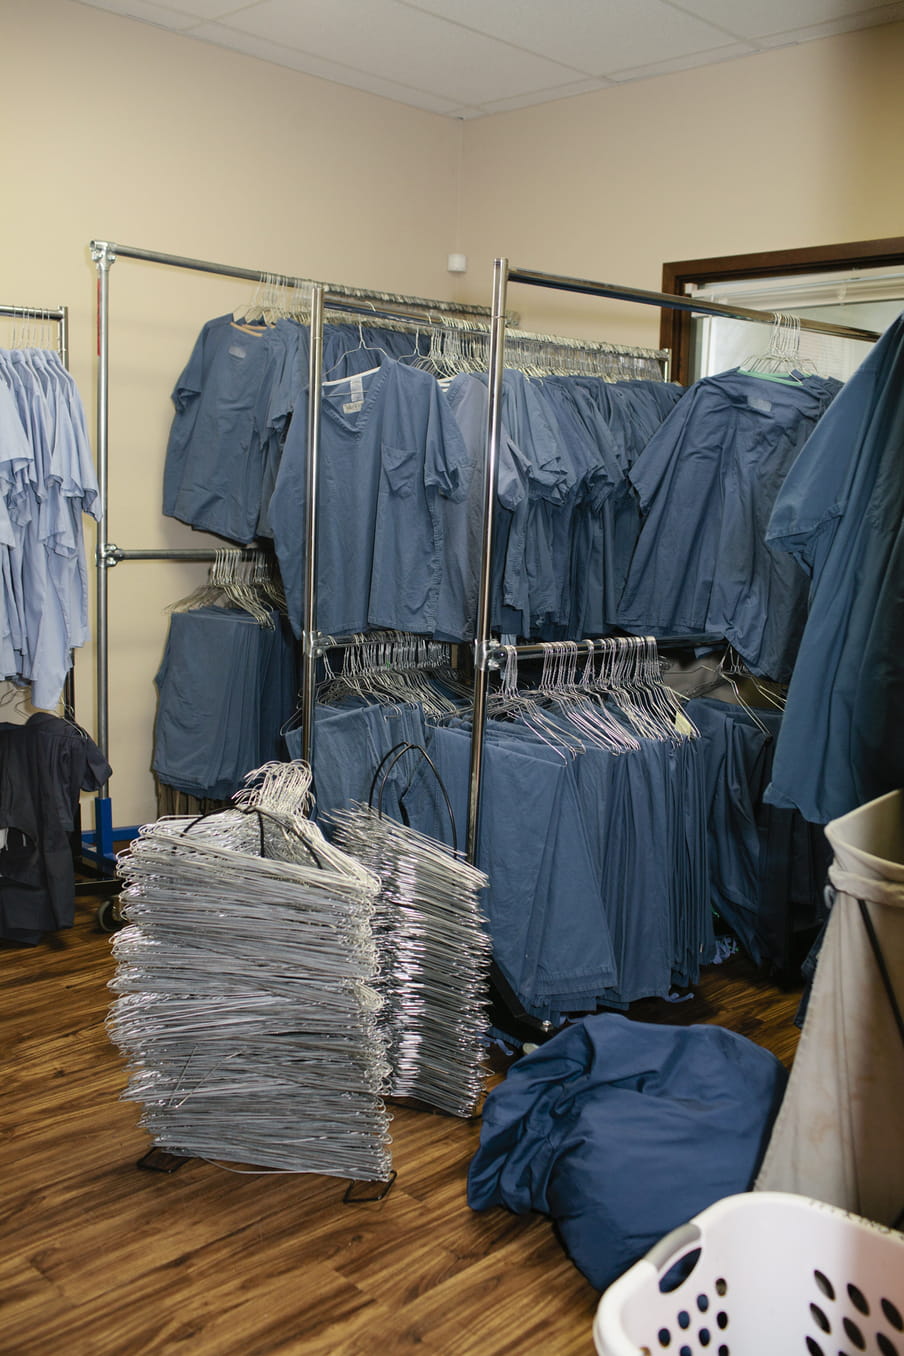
<point>621,1130</point>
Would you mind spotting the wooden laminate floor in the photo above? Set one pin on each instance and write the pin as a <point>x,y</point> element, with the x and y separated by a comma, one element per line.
<point>99,1258</point>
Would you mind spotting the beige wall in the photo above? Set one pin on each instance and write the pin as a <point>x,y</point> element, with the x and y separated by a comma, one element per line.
<point>124,132</point>
<point>795,147</point>
<point>118,130</point>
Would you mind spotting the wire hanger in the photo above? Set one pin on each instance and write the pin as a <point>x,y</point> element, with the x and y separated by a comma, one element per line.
<point>782,361</point>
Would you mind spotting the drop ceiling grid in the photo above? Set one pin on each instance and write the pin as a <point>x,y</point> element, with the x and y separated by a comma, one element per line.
<point>465,58</point>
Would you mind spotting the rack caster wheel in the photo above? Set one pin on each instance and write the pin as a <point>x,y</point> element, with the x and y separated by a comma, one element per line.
<point>108,916</point>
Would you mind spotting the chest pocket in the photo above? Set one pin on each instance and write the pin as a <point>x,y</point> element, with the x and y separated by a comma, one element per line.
<point>403,468</point>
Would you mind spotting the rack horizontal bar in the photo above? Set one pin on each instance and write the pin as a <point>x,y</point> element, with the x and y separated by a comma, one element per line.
<point>671,301</point>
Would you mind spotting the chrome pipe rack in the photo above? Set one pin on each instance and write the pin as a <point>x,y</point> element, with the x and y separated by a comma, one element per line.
<point>485,649</point>
<point>360,301</point>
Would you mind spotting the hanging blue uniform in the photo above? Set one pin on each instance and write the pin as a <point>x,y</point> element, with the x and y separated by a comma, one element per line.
<point>391,454</point>
<point>47,483</point>
<point>468,398</point>
<point>527,586</point>
<point>577,527</point>
<point>232,398</point>
<point>841,514</point>
<point>350,741</point>
<point>226,685</point>
<point>549,933</point>
<point>707,482</point>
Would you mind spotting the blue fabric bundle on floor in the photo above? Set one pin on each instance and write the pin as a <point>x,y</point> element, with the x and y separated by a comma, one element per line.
<point>621,1130</point>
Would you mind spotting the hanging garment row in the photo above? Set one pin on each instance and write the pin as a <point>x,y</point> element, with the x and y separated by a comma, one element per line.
<point>840,513</point>
<point>47,482</point>
<point>759,870</point>
<point>632,831</point>
<point>400,495</point>
<point>228,680</point>
<point>706,484</point>
<point>598,482</point>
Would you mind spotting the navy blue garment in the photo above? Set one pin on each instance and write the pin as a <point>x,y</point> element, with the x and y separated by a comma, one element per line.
<point>467,397</point>
<point>621,1131</point>
<point>598,886</point>
<point>646,821</point>
<point>225,686</point>
<point>737,756</point>
<point>549,933</point>
<point>351,348</point>
<point>44,764</point>
<point>581,547</point>
<point>631,411</point>
<point>528,587</point>
<point>707,482</point>
<point>462,546</point>
<point>392,463</point>
<point>768,866</point>
<point>560,553</point>
<point>841,513</point>
<point>232,403</point>
<point>350,742</point>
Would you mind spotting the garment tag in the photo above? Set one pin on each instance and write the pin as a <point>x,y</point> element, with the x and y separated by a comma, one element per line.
<point>682,724</point>
<point>356,391</point>
<point>236,351</point>
<point>757,403</point>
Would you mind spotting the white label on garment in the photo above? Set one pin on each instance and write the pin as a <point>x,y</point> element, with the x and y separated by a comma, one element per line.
<point>762,406</point>
<point>236,352</point>
<point>356,391</point>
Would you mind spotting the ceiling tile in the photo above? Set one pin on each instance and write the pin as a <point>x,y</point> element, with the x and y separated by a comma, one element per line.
<point>159,15</point>
<point>852,23</point>
<point>684,63</point>
<point>324,70</point>
<point>545,96</point>
<point>586,34</point>
<point>210,9</point>
<point>766,17</point>
<point>405,45</point>
<point>463,57</point>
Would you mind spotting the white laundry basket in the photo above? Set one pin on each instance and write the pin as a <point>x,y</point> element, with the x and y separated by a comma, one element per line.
<point>772,1275</point>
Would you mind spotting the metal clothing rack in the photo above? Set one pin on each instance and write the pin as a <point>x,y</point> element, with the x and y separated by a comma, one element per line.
<point>384,305</point>
<point>59,315</point>
<point>485,650</point>
<point>312,641</point>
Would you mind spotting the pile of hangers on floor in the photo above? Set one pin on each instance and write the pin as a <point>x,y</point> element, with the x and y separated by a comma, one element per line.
<point>273,988</point>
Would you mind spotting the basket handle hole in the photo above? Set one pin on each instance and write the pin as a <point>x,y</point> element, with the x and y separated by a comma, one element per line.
<point>679,1272</point>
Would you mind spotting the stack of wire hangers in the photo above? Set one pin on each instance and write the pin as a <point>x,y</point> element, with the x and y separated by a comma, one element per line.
<point>248,1008</point>
<point>435,958</point>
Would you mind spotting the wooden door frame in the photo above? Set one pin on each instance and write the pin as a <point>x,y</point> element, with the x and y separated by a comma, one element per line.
<point>675,326</point>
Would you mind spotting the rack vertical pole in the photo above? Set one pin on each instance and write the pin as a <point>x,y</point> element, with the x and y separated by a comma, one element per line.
<point>483,625</point>
<point>69,683</point>
<point>103,257</point>
<point>309,634</point>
